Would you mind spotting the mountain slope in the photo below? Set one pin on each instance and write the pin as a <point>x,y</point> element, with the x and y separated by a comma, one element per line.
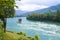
<point>52,8</point>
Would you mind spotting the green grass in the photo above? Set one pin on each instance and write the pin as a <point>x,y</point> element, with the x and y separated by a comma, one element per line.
<point>9,35</point>
<point>14,36</point>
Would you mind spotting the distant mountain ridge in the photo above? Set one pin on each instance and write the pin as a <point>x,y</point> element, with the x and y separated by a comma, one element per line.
<point>52,8</point>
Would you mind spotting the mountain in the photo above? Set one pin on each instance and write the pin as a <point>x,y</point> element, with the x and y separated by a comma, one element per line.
<point>24,13</point>
<point>21,13</point>
<point>52,8</point>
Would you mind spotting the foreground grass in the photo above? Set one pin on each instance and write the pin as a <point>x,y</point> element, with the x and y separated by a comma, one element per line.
<point>20,36</point>
<point>10,36</point>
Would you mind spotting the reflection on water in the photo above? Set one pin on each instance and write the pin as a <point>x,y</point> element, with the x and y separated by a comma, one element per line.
<point>46,30</point>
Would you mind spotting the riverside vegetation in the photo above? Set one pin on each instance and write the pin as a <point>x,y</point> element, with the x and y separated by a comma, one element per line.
<point>45,16</point>
<point>7,11</point>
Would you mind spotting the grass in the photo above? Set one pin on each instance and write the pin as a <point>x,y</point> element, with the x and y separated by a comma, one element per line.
<point>13,36</point>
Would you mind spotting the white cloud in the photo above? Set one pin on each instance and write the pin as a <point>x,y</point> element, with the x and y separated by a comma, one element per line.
<point>43,2</point>
<point>30,5</point>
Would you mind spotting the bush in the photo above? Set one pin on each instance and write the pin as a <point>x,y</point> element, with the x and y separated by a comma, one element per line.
<point>21,33</point>
<point>36,37</point>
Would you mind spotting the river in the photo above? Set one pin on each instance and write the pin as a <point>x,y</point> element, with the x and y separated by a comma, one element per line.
<point>45,30</point>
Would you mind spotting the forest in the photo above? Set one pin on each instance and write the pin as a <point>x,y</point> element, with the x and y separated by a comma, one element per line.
<point>45,16</point>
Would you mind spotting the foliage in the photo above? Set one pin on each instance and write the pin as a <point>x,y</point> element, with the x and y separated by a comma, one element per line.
<point>1,31</point>
<point>6,10</point>
<point>58,15</point>
<point>6,7</point>
<point>22,33</point>
<point>36,37</point>
<point>45,17</point>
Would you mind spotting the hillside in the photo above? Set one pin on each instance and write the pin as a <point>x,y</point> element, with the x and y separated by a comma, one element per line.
<point>52,8</point>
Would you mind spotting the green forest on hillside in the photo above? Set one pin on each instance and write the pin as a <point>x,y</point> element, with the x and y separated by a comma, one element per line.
<point>45,16</point>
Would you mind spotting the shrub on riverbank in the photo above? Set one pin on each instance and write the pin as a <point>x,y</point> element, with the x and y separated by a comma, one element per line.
<point>45,17</point>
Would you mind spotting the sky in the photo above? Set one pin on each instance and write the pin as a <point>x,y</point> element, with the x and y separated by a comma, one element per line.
<point>31,5</point>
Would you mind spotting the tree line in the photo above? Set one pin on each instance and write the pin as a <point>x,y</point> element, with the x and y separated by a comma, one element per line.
<point>45,16</point>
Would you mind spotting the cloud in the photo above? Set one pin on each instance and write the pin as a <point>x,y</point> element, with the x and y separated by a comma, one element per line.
<point>40,2</point>
<point>45,2</point>
<point>31,5</point>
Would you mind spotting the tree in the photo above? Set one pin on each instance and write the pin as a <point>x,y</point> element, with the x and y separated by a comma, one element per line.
<point>58,15</point>
<point>6,11</point>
